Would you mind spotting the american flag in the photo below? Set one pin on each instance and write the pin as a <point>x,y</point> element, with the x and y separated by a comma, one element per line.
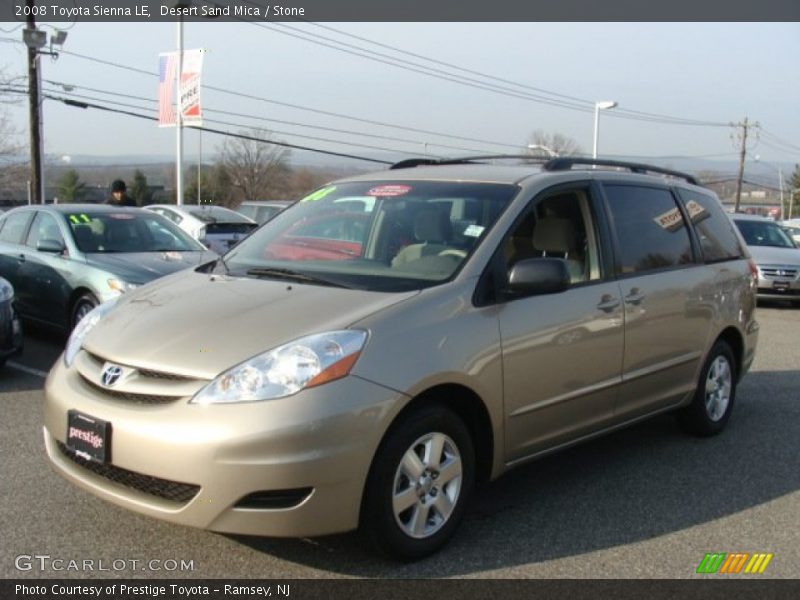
<point>167,66</point>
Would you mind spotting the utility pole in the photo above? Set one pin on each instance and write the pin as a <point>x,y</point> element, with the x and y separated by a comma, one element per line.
<point>34,114</point>
<point>742,151</point>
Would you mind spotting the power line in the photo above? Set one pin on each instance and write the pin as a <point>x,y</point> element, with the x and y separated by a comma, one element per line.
<point>270,120</point>
<point>589,103</point>
<point>221,122</point>
<point>80,104</point>
<point>296,106</point>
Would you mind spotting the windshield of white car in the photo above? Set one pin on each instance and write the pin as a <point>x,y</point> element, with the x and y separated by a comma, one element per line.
<point>378,235</point>
<point>215,214</point>
<point>764,233</point>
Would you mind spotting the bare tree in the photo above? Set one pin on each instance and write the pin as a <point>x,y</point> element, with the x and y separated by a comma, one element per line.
<point>258,170</point>
<point>559,144</point>
<point>13,167</point>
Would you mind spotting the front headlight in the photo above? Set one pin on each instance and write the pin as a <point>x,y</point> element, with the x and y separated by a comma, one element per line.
<point>120,286</point>
<point>283,371</point>
<point>82,329</point>
<point>6,291</point>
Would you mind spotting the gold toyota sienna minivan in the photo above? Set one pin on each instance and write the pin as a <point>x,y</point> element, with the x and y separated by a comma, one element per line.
<point>375,351</point>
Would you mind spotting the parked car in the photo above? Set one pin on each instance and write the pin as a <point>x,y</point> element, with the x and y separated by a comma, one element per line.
<point>216,227</point>
<point>63,260</point>
<point>792,227</point>
<point>775,254</point>
<point>486,315</point>
<point>262,211</point>
<point>11,339</point>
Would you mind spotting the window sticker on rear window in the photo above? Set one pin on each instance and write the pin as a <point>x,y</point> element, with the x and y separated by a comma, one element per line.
<point>78,219</point>
<point>389,190</point>
<point>319,194</point>
<point>670,220</point>
<point>696,212</point>
<point>474,231</point>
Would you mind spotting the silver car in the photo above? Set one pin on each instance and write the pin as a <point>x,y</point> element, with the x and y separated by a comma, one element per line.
<point>369,356</point>
<point>775,254</point>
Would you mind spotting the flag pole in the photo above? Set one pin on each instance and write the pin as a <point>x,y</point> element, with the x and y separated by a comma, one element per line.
<point>179,118</point>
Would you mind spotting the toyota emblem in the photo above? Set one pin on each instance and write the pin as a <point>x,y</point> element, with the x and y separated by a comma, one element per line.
<point>111,374</point>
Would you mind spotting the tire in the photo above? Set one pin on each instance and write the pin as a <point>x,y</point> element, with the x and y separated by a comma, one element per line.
<point>397,530</point>
<point>80,307</point>
<point>713,400</point>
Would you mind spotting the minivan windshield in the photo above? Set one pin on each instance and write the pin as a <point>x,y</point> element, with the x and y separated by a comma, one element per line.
<point>387,236</point>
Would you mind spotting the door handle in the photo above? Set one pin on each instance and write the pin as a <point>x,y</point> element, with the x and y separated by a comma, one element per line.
<point>608,303</point>
<point>634,297</point>
<point>21,258</point>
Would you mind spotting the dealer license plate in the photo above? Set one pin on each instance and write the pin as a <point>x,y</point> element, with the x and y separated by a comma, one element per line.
<point>780,285</point>
<point>89,437</point>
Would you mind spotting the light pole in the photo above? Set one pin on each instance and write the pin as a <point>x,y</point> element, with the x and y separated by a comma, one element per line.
<point>598,106</point>
<point>780,179</point>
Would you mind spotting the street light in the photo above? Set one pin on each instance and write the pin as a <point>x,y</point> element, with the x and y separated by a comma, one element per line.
<point>598,106</point>
<point>780,180</point>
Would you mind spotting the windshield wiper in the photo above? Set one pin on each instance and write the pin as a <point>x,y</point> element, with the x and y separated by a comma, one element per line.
<point>292,276</point>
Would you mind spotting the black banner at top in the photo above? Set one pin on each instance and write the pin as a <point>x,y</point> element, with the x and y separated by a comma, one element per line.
<point>402,11</point>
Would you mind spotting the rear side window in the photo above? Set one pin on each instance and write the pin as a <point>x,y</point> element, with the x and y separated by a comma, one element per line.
<point>14,227</point>
<point>718,240</point>
<point>650,229</point>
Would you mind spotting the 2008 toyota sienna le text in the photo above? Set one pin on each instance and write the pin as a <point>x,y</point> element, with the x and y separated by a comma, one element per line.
<point>373,352</point>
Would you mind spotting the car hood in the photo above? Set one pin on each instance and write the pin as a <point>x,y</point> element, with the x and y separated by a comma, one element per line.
<point>198,325</point>
<point>766,255</point>
<point>142,267</point>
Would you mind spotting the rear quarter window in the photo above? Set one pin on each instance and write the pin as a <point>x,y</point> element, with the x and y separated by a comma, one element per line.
<point>650,230</point>
<point>718,240</point>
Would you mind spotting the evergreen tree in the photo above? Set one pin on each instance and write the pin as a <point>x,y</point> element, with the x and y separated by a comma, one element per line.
<point>70,187</point>
<point>139,190</point>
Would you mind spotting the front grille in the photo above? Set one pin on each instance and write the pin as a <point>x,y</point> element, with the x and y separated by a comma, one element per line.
<point>779,292</point>
<point>174,491</point>
<point>779,272</point>
<point>161,375</point>
<point>150,373</point>
<point>130,396</point>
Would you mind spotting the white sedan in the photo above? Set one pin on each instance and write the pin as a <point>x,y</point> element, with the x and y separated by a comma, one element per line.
<point>216,227</point>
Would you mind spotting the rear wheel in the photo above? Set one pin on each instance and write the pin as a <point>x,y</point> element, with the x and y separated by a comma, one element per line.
<point>82,306</point>
<point>713,400</point>
<point>419,484</point>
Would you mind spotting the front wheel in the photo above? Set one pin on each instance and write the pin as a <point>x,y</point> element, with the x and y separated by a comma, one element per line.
<point>82,307</point>
<point>419,484</point>
<point>716,390</point>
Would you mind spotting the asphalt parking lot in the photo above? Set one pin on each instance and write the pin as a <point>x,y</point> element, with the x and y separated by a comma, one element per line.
<point>646,502</point>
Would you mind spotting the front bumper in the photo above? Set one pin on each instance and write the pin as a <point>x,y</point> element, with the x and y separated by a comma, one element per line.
<point>778,282</point>
<point>11,338</point>
<point>321,440</point>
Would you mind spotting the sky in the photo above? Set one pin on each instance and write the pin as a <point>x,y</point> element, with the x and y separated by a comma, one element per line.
<point>711,72</point>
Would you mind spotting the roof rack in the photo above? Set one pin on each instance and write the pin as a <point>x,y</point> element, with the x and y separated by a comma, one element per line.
<point>465,160</point>
<point>566,163</point>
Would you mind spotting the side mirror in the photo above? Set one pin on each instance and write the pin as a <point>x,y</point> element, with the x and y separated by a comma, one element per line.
<point>534,276</point>
<point>51,246</point>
